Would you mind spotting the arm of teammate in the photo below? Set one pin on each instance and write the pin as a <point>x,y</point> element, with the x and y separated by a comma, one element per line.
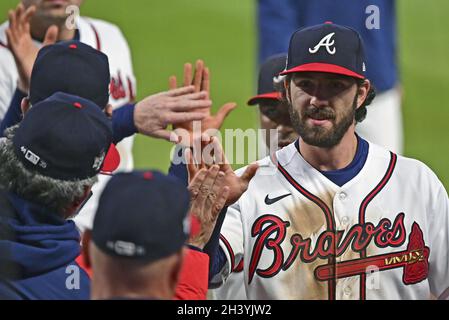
<point>24,52</point>
<point>200,79</point>
<point>221,264</point>
<point>21,45</point>
<point>208,195</point>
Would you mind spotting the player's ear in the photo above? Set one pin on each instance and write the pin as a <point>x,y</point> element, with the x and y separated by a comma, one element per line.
<point>78,203</point>
<point>362,92</point>
<point>108,110</point>
<point>25,105</point>
<point>85,247</point>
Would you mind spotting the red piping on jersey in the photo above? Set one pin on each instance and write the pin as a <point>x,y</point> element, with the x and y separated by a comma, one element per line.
<point>239,267</point>
<point>132,95</point>
<point>327,213</point>
<point>231,252</point>
<point>3,45</point>
<point>362,211</point>
<point>97,37</point>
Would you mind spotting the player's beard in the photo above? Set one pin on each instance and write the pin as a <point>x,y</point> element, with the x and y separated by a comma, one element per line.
<point>51,17</point>
<point>320,136</point>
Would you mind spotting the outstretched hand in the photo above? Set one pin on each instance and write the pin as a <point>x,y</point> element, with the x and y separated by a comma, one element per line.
<point>200,79</point>
<point>208,192</point>
<point>237,185</point>
<point>155,113</point>
<point>21,43</point>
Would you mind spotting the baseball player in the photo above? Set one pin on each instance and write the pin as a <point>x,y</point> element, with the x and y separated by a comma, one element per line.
<point>150,116</point>
<point>333,216</point>
<point>376,22</point>
<point>100,35</point>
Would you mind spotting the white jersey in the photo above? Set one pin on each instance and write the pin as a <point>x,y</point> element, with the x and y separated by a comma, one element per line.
<point>233,288</point>
<point>107,38</point>
<point>382,235</point>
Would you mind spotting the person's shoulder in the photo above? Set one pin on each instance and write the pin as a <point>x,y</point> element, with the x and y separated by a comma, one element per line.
<point>109,37</point>
<point>417,168</point>
<point>264,164</point>
<point>411,169</point>
<point>4,50</point>
<point>101,26</point>
<point>3,27</point>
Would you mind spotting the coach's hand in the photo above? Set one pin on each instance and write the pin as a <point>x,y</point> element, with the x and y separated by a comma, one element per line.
<point>212,154</point>
<point>201,81</point>
<point>208,193</point>
<point>21,44</point>
<point>155,113</point>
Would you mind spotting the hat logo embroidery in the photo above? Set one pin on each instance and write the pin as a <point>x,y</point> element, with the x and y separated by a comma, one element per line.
<point>124,248</point>
<point>30,156</point>
<point>98,161</point>
<point>327,42</point>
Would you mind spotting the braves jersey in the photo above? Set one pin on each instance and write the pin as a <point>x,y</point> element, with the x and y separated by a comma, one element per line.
<point>382,235</point>
<point>107,38</point>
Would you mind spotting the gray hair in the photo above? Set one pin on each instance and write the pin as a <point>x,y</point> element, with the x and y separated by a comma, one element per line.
<point>56,195</point>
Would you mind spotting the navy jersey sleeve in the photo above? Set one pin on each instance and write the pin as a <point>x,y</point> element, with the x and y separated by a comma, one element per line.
<point>123,122</point>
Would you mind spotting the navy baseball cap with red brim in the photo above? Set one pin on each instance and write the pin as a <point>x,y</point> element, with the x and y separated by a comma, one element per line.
<point>327,48</point>
<point>137,218</point>
<point>66,137</point>
<point>269,70</point>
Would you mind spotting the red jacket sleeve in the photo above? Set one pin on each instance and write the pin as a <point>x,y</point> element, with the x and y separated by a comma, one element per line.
<point>193,280</point>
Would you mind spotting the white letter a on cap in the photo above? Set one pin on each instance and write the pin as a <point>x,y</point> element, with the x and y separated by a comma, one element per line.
<point>325,42</point>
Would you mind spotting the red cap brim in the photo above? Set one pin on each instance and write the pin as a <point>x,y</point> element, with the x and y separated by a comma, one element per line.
<point>271,96</point>
<point>323,67</point>
<point>111,161</point>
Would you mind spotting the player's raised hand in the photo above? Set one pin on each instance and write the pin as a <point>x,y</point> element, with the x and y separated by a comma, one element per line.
<point>155,113</point>
<point>21,43</point>
<point>200,79</point>
<point>212,153</point>
<point>208,196</point>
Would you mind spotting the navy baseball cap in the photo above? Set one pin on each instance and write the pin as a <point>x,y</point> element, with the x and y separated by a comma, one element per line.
<point>66,137</point>
<point>269,70</point>
<point>326,48</point>
<point>142,216</point>
<point>71,67</point>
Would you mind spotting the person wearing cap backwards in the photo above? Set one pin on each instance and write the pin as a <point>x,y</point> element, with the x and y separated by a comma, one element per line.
<point>139,232</point>
<point>49,164</point>
<point>332,216</point>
